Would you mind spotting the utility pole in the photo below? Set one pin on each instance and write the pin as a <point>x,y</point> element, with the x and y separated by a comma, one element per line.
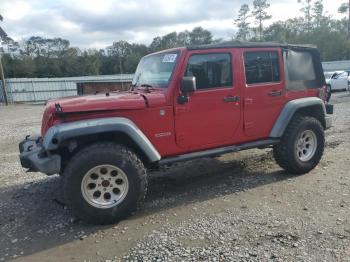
<point>3,81</point>
<point>2,35</point>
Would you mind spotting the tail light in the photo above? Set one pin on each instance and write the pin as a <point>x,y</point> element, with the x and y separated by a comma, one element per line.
<point>323,93</point>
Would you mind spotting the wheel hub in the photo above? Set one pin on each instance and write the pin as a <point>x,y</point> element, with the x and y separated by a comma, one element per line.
<point>105,183</point>
<point>104,186</point>
<point>306,145</point>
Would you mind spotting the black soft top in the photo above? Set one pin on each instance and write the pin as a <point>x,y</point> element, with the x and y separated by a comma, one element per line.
<point>238,44</point>
<point>319,81</point>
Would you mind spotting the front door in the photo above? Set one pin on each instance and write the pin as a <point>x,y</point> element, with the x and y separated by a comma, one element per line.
<point>211,116</point>
<point>264,92</point>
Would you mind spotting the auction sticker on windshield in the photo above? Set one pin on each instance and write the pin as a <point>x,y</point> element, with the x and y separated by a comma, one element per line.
<point>169,58</point>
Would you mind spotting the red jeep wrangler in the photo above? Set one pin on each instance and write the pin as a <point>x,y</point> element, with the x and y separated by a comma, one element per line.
<point>185,103</point>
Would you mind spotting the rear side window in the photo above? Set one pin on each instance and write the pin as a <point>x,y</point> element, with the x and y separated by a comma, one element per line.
<point>210,70</point>
<point>300,70</point>
<point>261,67</point>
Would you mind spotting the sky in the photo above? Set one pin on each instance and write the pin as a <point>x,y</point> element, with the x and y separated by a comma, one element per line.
<point>98,23</point>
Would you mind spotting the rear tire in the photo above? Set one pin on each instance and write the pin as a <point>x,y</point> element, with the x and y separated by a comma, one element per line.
<point>302,145</point>
<point>104,183</point>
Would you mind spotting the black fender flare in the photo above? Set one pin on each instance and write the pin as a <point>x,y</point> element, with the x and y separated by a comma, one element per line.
<point>65,131</point>
<point>291,108</point>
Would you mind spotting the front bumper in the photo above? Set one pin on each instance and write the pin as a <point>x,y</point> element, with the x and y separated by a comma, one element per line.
<point>34,157</point>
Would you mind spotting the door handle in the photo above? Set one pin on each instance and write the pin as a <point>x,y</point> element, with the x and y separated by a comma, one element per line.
<point>231,99</point>
<point>275,93</point>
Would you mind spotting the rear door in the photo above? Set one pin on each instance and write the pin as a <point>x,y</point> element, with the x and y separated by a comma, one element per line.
<point>264,90</point>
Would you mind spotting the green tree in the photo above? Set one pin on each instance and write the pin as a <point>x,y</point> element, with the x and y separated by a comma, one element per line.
<point>343,9</point>
<point>156,44</point>
<point>260,14</point>
<point>39,46</point>
<point>183,38</point>
<point>91,61</point>
<point>200,36</point>
<point>9,45</point>
<point>284,31</point>
<point>69,62</point>
<point>137,51</point>
<point>307,10</point>
<point>120,50</point>
<point>169,41</point>
<point>317,10</point>
<point>242,23</point>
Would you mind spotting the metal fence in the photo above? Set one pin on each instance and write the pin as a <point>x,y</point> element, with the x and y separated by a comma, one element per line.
<point>336,65</point>
<point>36,90</point>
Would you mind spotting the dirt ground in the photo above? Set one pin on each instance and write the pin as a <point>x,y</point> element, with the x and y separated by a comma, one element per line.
<point>239,207</point>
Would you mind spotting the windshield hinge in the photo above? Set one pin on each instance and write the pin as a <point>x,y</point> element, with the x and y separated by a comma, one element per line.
<point>58,108</point>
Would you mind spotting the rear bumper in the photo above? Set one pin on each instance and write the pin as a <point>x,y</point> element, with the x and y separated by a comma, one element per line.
<point>328,118</point>
<point>34,157</point>
<point>329,122</point>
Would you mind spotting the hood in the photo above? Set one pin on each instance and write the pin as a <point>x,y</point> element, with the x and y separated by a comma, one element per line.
<point>101,102</point>
<point>114,101</point>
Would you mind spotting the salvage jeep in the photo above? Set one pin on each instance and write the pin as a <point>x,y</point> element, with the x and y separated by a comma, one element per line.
<point>184,103</point>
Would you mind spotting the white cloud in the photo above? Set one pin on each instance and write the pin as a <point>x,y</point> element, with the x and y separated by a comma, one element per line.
<point>97,23</point>
<point>16,10</point>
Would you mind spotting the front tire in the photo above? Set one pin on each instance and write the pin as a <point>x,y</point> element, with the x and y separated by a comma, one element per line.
<point>302,145</point>
<point>104,183</point>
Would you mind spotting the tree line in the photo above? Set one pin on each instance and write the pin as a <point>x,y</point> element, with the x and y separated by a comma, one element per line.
<point>313,26</point>
<point>46,57</point>
<point>55,57</point>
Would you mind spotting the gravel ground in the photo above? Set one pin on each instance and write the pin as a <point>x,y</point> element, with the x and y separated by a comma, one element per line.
<point>239,207</point>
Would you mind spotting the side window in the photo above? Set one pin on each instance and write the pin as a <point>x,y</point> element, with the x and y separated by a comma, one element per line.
<point>261,67</point>
<point>300,70</point>
<point>210,70</point>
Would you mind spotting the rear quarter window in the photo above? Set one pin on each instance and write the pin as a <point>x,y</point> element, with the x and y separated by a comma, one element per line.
<point>299,70</point>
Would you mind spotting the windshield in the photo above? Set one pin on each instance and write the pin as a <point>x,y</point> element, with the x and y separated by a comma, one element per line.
<point>328,75</point>
<point>155,70</point>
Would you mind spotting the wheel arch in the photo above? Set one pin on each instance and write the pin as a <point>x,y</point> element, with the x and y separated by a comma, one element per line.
<point>70,137</point>
<point>310,106</point>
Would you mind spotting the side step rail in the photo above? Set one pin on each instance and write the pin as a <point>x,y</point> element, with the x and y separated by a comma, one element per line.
<point>218,151</point>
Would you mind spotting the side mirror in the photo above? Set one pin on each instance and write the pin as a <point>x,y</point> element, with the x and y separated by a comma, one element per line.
<point>188,85</point>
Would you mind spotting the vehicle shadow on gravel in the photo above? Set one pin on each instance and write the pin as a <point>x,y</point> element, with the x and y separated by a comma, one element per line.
<point>205,179</point>
<point>34,218</point>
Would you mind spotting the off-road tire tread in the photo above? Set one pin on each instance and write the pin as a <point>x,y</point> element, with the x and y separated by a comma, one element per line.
<point>92,151</point>
<point>282,151</point>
